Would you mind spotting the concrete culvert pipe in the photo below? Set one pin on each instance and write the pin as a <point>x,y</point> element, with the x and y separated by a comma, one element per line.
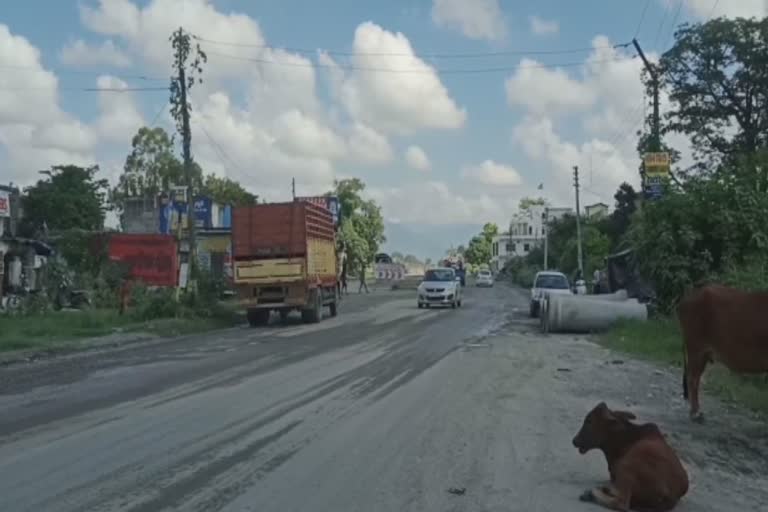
<point>575,314</point>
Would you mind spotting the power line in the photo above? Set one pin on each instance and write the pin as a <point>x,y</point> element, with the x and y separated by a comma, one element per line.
<point>642,17</point>
<point>429,69</point>
<point>712,10</point>
<point>674,20</point>
<point>661,25</point>
<point>218,149</point>
<point>88,89</point>
<point>451,55</point>
<point>60,71</point>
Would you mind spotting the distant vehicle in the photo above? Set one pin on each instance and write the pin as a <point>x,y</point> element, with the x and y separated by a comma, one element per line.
<point>440,287</point>
<point>382,257</point>
<point>547,282</point>
<point>484,278</point>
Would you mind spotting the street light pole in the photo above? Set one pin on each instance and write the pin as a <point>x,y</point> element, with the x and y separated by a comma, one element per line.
<point>546,237</point>
<point>578,220</point>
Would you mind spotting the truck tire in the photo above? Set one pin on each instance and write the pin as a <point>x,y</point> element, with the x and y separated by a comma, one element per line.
<point>314,313</point>
<point>333,307</point>
<point>257,317</point>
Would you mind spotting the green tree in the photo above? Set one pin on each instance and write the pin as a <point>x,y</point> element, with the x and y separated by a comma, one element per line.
<point>527,202</point>
<point>150,167</point>
<point>70,197</point>
<point>227,191</point>
<point>478,251</point>
<point>362,225</point>
<point>717,79</point>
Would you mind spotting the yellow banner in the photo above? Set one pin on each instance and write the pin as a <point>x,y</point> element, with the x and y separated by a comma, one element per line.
<point>656,164</point>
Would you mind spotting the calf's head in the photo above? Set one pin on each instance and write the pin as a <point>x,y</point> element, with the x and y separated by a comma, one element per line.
<point>599,425</point>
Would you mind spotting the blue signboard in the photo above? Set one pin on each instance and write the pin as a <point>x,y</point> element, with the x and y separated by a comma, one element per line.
<point>203,211</point>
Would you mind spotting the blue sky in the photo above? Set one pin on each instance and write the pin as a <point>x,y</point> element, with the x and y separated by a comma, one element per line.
<point>481,140</point>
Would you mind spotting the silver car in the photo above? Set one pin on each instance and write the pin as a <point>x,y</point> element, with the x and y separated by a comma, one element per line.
<point>440,287</point>
<point>484,278</point>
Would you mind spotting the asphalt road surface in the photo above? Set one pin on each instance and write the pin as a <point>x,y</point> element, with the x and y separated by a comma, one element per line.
<point>384,408</point>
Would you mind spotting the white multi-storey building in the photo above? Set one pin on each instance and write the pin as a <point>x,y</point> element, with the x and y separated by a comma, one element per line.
<point>526,231</point>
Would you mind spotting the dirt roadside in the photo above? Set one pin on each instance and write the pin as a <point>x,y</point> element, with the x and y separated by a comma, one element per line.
<point>727,457</point>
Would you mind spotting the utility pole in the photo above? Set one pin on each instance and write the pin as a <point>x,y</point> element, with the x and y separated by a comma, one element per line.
<point>186,149</point>
<point>655,122</point>
<point>546,237</point>
<point>293,188</point>
<point>578,220</point>
<point>184,79</point>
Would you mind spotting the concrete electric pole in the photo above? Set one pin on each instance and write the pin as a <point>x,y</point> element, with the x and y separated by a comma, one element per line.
<point>578,220</point>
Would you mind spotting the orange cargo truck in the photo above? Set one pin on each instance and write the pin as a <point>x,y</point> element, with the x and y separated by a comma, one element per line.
<point>284,259</point>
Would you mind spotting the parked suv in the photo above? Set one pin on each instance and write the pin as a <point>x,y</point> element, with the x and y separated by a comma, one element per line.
<point>547,282</point>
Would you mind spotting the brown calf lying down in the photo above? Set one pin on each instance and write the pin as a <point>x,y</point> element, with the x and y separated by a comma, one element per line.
<point>645,472</point>
<point>726,325</point>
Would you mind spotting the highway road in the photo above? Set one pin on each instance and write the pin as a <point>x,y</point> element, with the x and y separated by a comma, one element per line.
<point>384,408</point>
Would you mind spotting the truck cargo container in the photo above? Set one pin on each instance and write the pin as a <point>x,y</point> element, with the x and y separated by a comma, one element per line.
<point>284,259</point>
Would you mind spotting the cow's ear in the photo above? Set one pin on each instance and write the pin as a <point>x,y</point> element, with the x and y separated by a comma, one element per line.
<point>624,415</point>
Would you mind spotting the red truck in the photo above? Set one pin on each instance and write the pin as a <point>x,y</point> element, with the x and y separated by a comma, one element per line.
<point>284,259</point>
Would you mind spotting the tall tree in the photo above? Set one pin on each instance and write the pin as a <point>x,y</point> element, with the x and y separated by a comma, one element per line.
<point>150,167</point>
<point>362,229</point>
<point>527,202</point>
<point>69,197</point>
<point>227,191</point>
<point>478,251</point>
<point>717,78</point>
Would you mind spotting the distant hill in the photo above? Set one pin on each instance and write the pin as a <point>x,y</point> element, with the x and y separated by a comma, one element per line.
<point>427,240</point>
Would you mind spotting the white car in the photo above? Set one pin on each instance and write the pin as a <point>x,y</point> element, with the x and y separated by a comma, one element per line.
<point>440,287</point>
<point>484,278</point>
<point>547,282</point>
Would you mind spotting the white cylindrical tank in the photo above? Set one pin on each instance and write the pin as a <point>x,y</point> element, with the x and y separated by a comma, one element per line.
<point>575,314</point>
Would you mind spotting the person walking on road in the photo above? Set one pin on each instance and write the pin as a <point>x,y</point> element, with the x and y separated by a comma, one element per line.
<point>344,290</point>
<point>362,279</point>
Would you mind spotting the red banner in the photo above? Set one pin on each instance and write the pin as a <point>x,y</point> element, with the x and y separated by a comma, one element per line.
<point>152,259</point>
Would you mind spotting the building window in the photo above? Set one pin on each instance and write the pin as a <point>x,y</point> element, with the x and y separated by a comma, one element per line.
<point>526,248</point>
<point>530,230</point>
<point>510,247</point>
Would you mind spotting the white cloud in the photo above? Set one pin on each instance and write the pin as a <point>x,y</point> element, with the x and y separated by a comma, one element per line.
<point>34,130</point>
<point>392,102</point>
<point>547,90</point>
<point>120,117</point>
<point>492,174</point>
<point>703,9</point>
<point>434,202</point>
<point>366,145</point>
<point>80,54</point>
<point>417,159</point>
<point>476,19</point>
<point>543,27</point>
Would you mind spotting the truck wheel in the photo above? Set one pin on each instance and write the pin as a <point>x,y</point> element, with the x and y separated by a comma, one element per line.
<point>314,313</point>
<point>257,317</point>
<point>333,306</point>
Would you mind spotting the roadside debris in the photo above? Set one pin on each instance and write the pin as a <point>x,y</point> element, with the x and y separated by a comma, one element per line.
<point>458,491</point>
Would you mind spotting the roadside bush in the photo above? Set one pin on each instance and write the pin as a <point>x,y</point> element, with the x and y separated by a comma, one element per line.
<point>153,303</point>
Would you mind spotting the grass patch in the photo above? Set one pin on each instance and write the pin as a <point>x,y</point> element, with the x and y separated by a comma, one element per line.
<point>659,340</point>
<point>68,329</point>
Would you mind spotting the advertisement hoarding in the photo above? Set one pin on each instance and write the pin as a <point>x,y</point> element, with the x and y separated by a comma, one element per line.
<point>152,259</point>
<point>656,167</point>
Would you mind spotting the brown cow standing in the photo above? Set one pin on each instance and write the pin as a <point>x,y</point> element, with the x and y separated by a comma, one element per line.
<point>723,324</point>
<point>645,472</point>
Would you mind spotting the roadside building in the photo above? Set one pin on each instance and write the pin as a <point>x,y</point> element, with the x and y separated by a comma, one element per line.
<point>596,211</point>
